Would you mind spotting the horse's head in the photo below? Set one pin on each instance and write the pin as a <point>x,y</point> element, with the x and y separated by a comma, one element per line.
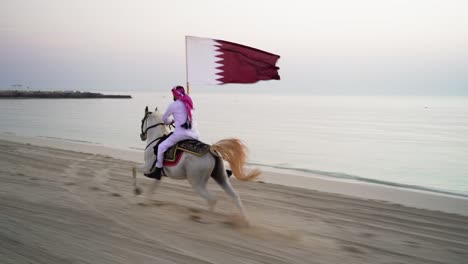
<point>152,120</point>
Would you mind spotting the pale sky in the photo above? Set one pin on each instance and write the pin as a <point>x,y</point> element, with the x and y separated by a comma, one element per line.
<point>326,47</point>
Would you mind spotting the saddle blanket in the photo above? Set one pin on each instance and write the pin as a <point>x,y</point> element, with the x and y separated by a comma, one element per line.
<point>173,154</point>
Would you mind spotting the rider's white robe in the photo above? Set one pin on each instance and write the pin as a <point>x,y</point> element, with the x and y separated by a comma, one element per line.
<point>179,113</point>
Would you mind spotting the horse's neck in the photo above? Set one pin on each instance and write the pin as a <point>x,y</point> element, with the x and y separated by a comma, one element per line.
<point>154,133</point>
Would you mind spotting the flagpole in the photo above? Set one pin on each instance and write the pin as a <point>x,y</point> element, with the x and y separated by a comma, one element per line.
<point>186,67</point>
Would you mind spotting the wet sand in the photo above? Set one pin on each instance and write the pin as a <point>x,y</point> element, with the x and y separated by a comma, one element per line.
<point>64,206</point>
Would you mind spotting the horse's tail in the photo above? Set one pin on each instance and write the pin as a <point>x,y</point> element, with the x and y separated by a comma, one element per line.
<point>234,152</point>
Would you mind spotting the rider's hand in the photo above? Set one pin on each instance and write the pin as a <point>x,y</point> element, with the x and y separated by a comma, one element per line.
<point>172,124</point>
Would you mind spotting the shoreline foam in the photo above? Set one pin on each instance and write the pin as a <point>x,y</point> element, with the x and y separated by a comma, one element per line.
<point>353,178</point>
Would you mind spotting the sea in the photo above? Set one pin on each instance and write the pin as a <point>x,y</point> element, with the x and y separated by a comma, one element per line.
<point>416,142</point>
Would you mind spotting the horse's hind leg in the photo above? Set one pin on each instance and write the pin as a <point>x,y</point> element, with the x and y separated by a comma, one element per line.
<point>210,198</point>
<point>199,184</point>
<point>219,175</point>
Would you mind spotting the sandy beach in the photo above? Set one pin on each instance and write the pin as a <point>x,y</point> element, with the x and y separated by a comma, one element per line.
<point>64,203</point>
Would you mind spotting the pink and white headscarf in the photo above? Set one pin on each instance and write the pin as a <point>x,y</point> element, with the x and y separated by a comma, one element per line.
<point>179,94</point>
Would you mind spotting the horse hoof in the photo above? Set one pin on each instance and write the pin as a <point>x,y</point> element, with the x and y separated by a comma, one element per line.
<point>137,191</point>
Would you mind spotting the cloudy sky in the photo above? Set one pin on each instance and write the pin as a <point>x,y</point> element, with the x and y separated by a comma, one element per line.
<point>326,47</point>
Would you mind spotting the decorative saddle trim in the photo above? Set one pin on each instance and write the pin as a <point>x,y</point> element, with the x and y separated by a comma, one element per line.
<point>191,146</point>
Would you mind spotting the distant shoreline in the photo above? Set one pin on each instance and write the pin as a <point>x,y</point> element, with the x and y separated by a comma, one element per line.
<point>18,94</point>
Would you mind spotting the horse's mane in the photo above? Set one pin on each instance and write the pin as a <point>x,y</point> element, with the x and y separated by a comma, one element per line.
<point>158,117</point>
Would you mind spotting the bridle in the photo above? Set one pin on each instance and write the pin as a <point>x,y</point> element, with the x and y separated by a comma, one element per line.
<point>145,120</point>
<point>143,132</point>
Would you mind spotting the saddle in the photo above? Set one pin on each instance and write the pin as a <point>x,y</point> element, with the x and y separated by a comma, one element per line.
<point>172,155</point>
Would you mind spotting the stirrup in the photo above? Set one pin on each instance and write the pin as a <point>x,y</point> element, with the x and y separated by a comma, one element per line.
<point>156,174</point>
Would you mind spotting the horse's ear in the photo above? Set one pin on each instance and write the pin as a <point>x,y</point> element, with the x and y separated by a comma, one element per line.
<point>156,109</point>
<point>146,109</point>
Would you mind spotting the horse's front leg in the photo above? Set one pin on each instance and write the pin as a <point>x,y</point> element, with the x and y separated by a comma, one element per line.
<point>136,190</point>
<point>141,169</point>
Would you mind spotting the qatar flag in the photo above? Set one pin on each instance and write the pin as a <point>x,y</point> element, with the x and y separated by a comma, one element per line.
<point>213,61</point>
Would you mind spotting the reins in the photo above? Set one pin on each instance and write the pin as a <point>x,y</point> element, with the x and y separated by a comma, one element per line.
<point>150,127</point>
<point>154,141</point>
<point>153,126</point>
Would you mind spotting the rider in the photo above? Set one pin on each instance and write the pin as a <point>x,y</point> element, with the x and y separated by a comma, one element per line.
<point>181,111</point>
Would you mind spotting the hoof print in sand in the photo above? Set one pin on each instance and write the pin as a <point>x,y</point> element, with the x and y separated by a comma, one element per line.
<point>352,249</point>
<point>194,210</point>
<point>158,203</point>
<point>411,244</point>
<point>368,235</point>
<point>198,219</point>
<point>236,222</point>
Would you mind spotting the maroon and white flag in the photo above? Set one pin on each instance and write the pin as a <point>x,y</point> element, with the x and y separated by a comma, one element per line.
<point>212,61</point>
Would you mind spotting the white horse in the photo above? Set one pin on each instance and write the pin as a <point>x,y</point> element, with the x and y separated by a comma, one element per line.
<point>196,169</point>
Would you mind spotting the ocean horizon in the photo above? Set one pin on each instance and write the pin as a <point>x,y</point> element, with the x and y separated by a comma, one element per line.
<point>416,142</point>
